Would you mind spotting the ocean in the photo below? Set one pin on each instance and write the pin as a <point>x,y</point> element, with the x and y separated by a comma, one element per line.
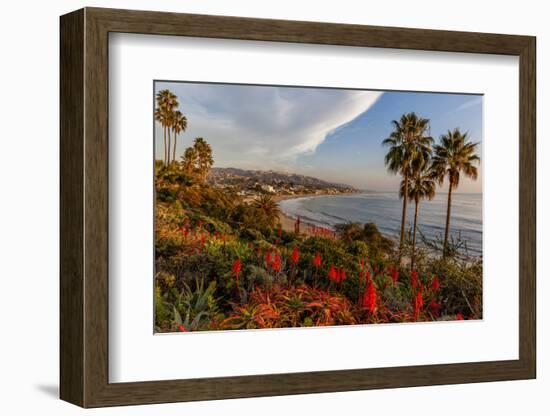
<point>384,209</point>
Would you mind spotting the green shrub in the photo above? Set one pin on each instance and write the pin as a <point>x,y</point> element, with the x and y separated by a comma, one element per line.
<point>162,311</point>
<point>359,249</point>
<point>461,286</point>
<point>165,194</point>
<point>167,247</point>
<point>251,234</point>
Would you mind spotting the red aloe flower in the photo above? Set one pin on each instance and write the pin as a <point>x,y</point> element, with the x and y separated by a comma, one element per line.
<point>237,270</point>
<point>362,264</point>
<point>182,328</point>
<point>368,277</point>
<point>332,273</point>
<point>295,256</point>
<point>276,266</point>
<point>459,317</point>
<point>414,279</point>
<point>435,307</point>
<point>268,258</point>
<point>343,275</point>
<point>418,304</point>
<point>369,299</point>
<point>317,260</point>
<point>435,283</point>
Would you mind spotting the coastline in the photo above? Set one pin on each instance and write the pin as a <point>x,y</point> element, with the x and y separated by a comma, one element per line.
<point>278,198</point>
<point>287,222</point>
<point>308,228</point>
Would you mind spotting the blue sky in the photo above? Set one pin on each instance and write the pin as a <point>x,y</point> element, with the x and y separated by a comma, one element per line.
<point>332,134</point>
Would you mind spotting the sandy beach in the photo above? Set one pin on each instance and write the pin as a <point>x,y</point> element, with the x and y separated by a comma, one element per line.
<point>287,222</point>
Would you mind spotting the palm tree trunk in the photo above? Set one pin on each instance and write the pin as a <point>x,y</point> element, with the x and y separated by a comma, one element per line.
<point>165,148</point>
<point>169,145</point>
<point>417,203</point>
<point>448,221</point>
<point>404,215</point>
<point>175,141</point>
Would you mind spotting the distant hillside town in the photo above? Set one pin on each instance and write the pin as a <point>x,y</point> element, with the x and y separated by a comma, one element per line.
<point>258,182</point>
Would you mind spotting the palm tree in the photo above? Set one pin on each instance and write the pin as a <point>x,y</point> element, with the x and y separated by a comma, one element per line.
<point>197,159</point>
<point>190,161</point>
<point>410,148</point>
<point>268,209</point>
<point>454,155</point>
<point>204,154</point>
<point>160,116</point>
<point>421,186</point>
<point>171,117</point>
<point>170,123</point>
<point>166,103</point>
<point>179,125</point>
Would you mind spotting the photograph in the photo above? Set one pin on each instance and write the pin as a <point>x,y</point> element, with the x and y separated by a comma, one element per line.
<point>281,206</point>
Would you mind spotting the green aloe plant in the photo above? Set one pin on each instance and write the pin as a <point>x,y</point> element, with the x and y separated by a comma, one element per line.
<point>194,308</point>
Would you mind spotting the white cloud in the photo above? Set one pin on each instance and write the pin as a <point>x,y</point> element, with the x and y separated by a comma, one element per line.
<point>265,127</point>
<point>471,103</point>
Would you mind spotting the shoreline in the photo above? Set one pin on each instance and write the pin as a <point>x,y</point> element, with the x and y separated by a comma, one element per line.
<point>307,228</point>
<point>287,222</point>
<point>278,198</point>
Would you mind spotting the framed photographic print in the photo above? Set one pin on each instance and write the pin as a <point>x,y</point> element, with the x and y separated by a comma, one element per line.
<point>260,207</point>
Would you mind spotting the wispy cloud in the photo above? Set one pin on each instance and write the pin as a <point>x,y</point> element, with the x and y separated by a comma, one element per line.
<point>267,125</point>
<point>468,104</point>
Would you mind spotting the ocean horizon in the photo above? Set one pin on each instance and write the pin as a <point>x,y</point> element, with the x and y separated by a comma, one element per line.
<point>385,208</point>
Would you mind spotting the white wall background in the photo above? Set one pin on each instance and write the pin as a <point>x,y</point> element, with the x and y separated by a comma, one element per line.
<point>29,159</point>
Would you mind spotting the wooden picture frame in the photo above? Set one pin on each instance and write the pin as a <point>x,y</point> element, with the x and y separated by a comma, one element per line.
<point>84,207</point>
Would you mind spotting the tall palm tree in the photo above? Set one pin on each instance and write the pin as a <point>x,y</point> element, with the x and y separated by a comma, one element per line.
<point>179,125</point>
<point>172,117</point>
<point>160,115</point>
<point>454,155</point>
<point>268,209</point>
<point>421,186</point>
<point>410,148</point>
<point>167,102</point>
